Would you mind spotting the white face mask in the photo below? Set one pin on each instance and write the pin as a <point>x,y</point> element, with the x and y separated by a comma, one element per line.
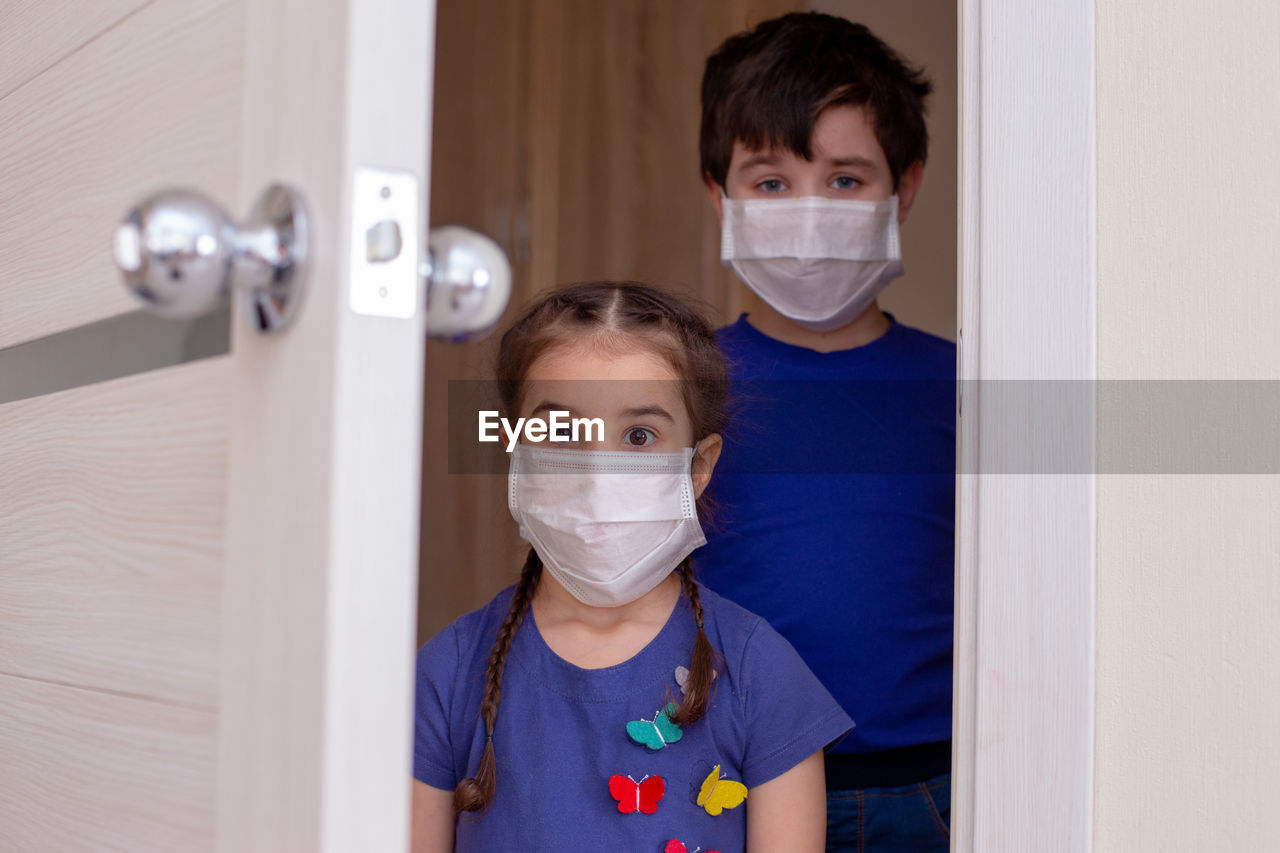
<point>608,525</point>
<point>817,261</point>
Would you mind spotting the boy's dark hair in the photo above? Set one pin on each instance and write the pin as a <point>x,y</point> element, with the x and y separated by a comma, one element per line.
<point>767,87</point>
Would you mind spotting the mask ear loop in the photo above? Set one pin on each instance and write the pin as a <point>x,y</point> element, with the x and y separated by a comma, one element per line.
<point>693,458</point>
<point>697,616</point>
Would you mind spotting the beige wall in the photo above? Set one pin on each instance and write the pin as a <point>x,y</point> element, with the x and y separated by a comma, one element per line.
<point>1188,567</point>
<point>923,31</point>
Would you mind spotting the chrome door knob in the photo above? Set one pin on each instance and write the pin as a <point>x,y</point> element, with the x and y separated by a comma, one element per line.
<point>180,253</point>
<point>468,283</point>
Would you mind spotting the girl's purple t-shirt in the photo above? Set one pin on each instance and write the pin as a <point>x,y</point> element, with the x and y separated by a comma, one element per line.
<point>562,731</point>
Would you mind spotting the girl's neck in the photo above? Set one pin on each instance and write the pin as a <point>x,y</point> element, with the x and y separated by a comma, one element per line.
<point>596,637</point>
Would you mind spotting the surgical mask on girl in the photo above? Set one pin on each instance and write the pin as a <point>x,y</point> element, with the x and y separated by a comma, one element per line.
<point>818,261</point>
<point>608,525</point>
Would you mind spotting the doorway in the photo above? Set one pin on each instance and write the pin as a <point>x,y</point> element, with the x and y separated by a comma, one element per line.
<point>567,131</point>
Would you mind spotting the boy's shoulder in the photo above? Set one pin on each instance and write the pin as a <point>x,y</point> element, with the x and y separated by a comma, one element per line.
<point>926,339</point>
<point>926,343</point>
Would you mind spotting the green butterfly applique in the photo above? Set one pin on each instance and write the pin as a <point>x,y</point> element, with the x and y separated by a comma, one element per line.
<point>658,732</point>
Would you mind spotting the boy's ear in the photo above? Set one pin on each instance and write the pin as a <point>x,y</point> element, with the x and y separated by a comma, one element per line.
<point>908,186</point>
<point>713,193</point>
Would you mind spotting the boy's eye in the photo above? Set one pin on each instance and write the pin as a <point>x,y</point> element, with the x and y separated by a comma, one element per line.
<point>845,182</point>
<point>639,437</point>
<point>771,185</point>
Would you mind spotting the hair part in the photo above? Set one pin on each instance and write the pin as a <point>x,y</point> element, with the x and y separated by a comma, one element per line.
<point>767,87</point>
<point>623,315</point>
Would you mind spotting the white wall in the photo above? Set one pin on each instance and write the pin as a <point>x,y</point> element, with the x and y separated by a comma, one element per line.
<point>1187,753</point>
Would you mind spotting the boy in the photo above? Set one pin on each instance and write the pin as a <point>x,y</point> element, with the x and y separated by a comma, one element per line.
<point>835,518</point>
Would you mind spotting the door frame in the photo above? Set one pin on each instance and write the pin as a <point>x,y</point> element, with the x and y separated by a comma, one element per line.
<point>1025,554</point>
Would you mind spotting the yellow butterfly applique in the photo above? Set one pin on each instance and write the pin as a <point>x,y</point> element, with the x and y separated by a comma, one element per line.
<point>719,794</point>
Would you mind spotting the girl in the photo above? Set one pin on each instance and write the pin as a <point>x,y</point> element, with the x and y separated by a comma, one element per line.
<point>608,702</point>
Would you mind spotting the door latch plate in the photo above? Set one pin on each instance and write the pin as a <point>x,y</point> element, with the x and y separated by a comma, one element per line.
<point>385,224</point>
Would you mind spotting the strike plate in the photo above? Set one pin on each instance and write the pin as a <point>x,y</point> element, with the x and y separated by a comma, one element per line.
<point>385,224</point>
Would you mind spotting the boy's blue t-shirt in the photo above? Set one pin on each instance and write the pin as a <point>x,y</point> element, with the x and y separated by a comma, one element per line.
<point>834,506</point>
<point>562,731</point>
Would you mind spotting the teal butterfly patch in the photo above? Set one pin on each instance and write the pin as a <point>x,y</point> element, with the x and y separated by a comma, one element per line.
<point>658,732</point>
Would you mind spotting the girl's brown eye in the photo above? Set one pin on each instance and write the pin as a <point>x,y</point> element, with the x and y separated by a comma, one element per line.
<point>639,436</point>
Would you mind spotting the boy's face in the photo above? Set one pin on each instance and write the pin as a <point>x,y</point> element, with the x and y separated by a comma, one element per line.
<point>847,163</point>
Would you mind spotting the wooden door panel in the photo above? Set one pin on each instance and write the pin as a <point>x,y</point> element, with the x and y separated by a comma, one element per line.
<point>206,571</point>
<point>37,35</point>
<point>112,521</point>
<point>86,770</point>
<point>153,102</point>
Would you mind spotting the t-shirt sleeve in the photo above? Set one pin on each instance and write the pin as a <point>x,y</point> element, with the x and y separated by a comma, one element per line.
<point>438,665</point>
<point>789,714</point>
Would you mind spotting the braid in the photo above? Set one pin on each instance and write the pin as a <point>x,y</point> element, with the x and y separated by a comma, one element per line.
<point>697,690</point>
<point>476,792</point>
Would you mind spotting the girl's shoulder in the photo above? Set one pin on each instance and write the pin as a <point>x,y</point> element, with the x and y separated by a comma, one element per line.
<point>753,650</point>
<point>732,620</point>
<point>786,712</point>
<point>736,632</point>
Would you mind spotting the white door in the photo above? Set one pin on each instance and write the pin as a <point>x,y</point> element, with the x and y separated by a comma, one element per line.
<point>207,564</point>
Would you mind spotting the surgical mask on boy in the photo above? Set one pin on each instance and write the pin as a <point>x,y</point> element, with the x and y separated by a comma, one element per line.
<point>608,525</point>
<point>818,261</point>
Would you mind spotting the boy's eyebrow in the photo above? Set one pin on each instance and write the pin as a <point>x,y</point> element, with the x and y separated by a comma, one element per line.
<point>649,409</point>
<point>860,162</point>
<point>760,158</point>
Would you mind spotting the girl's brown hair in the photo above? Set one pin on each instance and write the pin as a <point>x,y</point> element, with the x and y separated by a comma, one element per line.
<point>621,315</point>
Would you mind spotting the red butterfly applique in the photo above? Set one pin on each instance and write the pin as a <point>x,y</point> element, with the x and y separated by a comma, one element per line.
<point>674,846</point>
<point>632,795</point>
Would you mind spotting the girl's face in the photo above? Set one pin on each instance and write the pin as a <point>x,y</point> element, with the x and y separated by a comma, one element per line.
<point>634,391</point>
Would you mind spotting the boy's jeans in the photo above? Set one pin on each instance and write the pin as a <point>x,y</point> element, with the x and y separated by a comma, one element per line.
<point>908,819</point>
